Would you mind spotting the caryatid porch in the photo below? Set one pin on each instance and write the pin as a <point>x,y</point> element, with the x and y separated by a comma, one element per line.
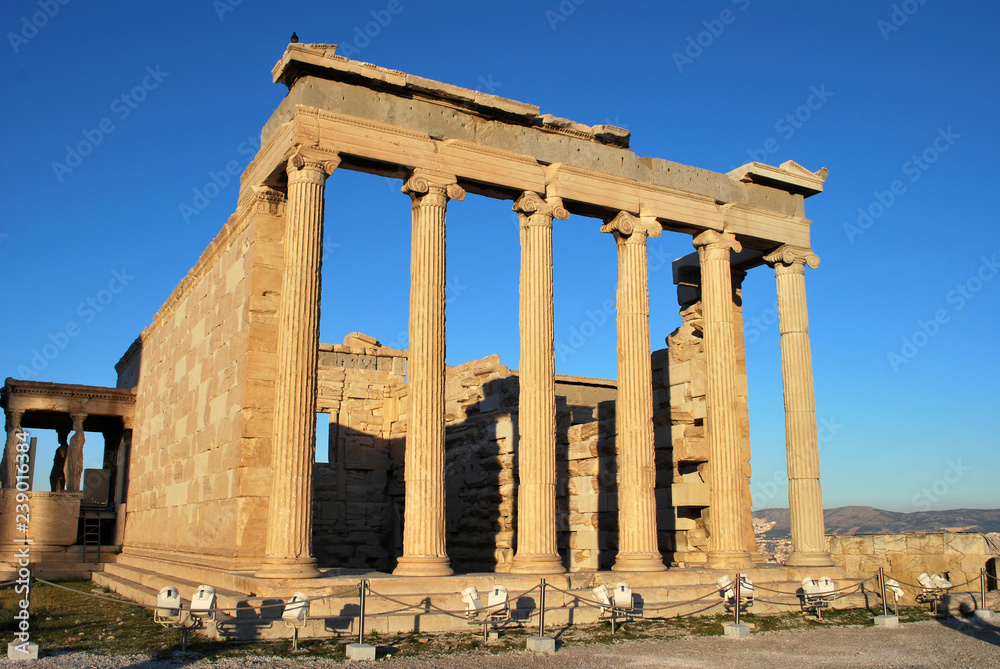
<point>442,141</point>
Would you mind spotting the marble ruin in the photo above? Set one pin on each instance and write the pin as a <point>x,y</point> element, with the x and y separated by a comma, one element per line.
<point>475,469</point>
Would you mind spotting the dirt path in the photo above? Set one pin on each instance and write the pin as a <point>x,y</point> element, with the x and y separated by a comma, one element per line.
<point>949,643</point>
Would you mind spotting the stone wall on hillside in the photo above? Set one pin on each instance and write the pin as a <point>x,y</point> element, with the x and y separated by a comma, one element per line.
<point>958,556</point>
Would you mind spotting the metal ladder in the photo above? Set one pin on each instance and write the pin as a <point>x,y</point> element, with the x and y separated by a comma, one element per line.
<point>91,534</point>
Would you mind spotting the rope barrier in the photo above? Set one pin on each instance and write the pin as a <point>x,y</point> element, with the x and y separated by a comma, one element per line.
<point>116,600</point>
<point>6,583</point>
<point>238,609</point>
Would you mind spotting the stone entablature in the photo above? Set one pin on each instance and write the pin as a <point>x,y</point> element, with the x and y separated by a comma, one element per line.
<point>501,148</point>
<point>68,398</point>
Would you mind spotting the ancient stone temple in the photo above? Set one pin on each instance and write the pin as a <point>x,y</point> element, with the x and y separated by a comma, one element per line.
<point>474,469</point>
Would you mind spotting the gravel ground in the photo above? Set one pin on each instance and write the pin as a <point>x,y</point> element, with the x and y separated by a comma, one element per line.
<point>948,643</point>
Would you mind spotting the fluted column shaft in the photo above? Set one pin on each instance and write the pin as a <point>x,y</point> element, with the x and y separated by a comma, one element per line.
<point>742,399</point>
<point>424,552</point>
<point>726,545</point>
<point>805,498</point>
<point>537,552</point>
<point>9,463</point>
<point>74,454</point>
<point>637,542</point>
<point>289,529</point>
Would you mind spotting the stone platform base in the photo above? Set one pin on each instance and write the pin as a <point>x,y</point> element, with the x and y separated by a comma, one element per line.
<point>57,563</point>
<point>254,616</point>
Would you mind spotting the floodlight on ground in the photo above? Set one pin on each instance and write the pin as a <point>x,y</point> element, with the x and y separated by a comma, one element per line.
<point>203,603</point>
<point>940,582</point>
<point>168,607</point>
<point>473,603</point>
<point>818,594</point>
<point>295,615</point>
<point>623,596</point>
<point>892,585</point>
<point>935,587</point>
<point>746,588</point>
<point>726,587</point>
<point>602,595</point>
<point>498,603</point>
<point>296,610</point>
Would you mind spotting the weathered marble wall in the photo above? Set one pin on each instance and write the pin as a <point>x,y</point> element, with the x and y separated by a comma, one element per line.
<point>957,556</point>
<point>199,475</point>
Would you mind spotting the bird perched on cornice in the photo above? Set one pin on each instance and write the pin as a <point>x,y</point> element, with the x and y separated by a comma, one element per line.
<point>295,38</point>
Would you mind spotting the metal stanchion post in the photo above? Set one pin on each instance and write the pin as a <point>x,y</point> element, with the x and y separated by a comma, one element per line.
<point>361,626</point>
<point>881,583</point>
<point>541,643</point>
<point>982,612</point>
<point>735,629</point>
<point>738,599</point>
<point>541,610</point>
<point>361,650</point>
<point>885,620</point>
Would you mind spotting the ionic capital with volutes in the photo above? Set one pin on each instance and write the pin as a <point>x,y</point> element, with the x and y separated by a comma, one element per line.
<point>534,210</point>
<point>715,243</point>
<point>631,229</point>
<point>311,164</point>
<point>794,258</point>
<point>428,187</point>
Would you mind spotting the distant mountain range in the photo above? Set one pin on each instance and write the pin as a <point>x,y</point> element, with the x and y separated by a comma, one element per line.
<point>869,520</point>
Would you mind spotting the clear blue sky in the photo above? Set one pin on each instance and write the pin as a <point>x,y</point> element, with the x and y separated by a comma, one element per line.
<point>876,94</point>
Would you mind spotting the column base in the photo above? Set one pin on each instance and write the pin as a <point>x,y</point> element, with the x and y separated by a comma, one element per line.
<point>639,562</point>
<point>537,564</point>
<point>423,566</point>
<point>288,568</point>
<point>728,560</point>
<point>809,559</point>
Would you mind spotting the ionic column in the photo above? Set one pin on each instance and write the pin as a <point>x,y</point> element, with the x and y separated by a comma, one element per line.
<point>424,552</point>
<point>537,552</point>
<point>74,455</point>
<point>289,527</point>
<point>742,400</point>
<point>8,468</point>
<point>805,499</point>
<point>637,542</point>
<point>727,547</point>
